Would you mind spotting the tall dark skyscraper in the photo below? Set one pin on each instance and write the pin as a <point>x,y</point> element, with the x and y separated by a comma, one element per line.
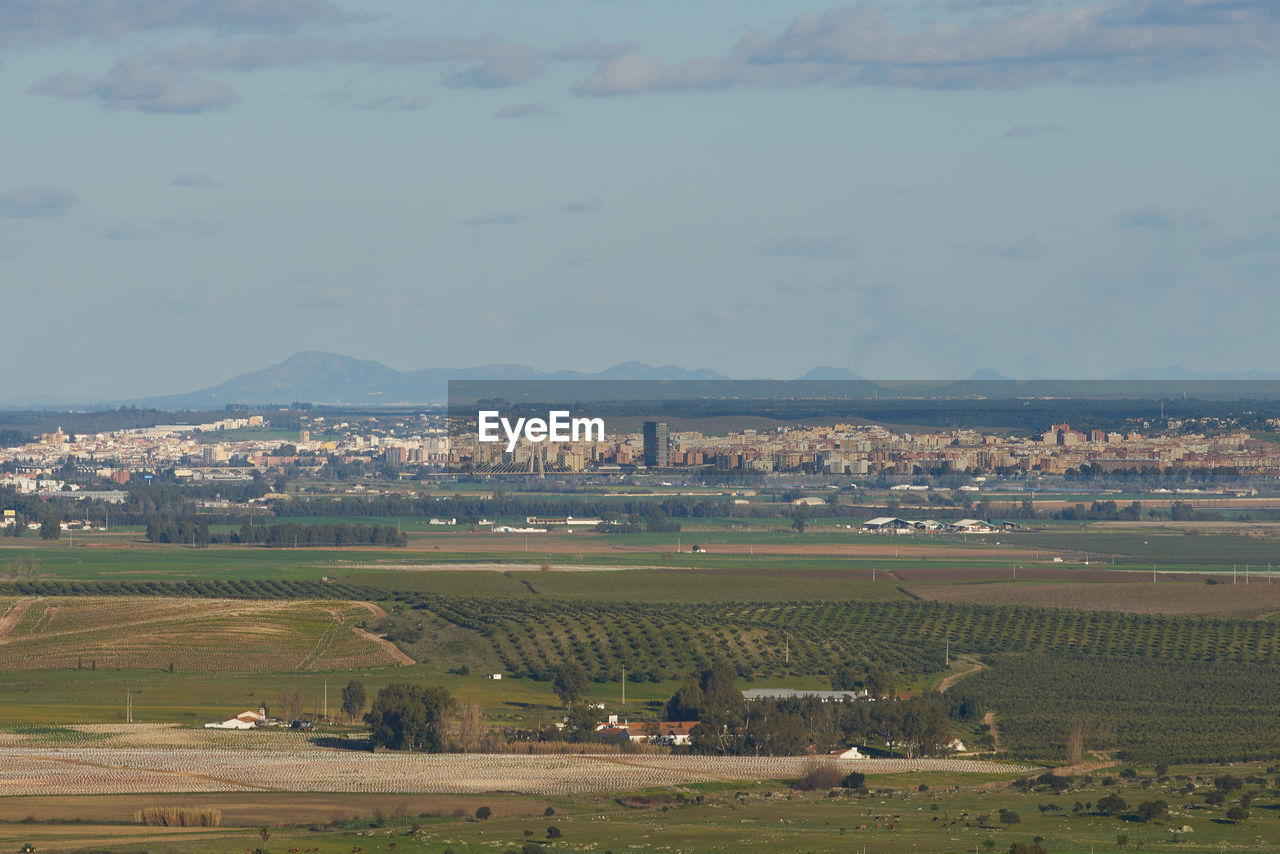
<point>656,452</point>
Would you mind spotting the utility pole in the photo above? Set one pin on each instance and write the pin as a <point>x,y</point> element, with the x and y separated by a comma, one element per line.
<point>624,685</point>
<point>948,652</point>
<point>326,699</point>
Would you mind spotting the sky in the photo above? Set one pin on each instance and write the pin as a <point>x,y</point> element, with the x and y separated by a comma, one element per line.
<point>190,189</point>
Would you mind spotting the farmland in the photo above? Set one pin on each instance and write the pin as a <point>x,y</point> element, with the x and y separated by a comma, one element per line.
<point>95,770</point>
<point>187,634</point>
<point>241,625</point>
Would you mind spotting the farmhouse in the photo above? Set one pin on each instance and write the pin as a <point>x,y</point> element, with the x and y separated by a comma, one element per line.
<point>561,522</point>
<point>886,525</point>
<point>244,720</point>
<point>674,733</point>
<point>971,526</point>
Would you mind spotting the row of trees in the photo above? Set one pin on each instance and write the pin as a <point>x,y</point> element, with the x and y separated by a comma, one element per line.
<point>197,534</point>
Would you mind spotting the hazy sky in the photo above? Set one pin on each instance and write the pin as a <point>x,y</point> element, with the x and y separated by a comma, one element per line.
<point>194,188</point>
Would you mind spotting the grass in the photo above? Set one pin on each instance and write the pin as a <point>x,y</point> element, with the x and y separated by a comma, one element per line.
<point>745,816</point>
<point>49,633</point>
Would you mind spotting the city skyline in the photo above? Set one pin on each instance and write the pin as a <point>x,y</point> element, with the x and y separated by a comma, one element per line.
<point>753,188</point>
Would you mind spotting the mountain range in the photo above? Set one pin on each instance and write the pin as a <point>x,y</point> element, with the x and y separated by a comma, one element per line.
<point>331,379</point>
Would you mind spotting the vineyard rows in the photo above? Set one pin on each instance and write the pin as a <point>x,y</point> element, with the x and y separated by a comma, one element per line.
<point>667,641</point>
<point>87,771</point>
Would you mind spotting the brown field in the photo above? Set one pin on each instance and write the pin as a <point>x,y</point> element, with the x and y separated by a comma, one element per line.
<point>1255,600</point>
<point>191,634</point>
<point>139,770</point>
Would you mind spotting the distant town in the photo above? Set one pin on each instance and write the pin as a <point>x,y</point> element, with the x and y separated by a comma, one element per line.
<point>237,449</point>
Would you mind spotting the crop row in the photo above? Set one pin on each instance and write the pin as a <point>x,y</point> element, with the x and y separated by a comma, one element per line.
<point>661,641</point>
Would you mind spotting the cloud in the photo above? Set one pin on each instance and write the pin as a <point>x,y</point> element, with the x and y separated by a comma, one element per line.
<point>584,206</point>
<point>495,73</point>
<point>525,111</point>
<point>25,22</point>
<point>127,231</point>
<point>833,246</point>
<point>1119,41</point>
<point>292,51</point>
<point>495,219</point>
<point>1148,217</point>
<point>33,202</point>
<point>194,181</point>
<point>131,85</point>
<point>593,50</point>
<point>1028,248</point>
<point>1028,130</point>
<point>1267,243</point>
<point>1160,219</point>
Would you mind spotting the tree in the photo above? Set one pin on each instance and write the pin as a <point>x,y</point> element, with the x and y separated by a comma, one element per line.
<point>353,699</point>
<point>855,780</point>
<point>1237,814</point>
<point>800,518</point>
<point>1009,817</point>
<point>1227,783</point>
<point>880,682</point>
<point>50,528</point>
<point>570,682</point>
<point>291,703</point>
<point>409,717</point>
<point>24,566</point>
<point>1112,805</point>
<point>553,832</point>
<point>1149,811</point>
<point>483,813</point>
<point>580,725</point>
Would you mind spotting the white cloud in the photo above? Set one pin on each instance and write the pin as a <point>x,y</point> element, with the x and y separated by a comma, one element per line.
<point>130,84</point>
<point>1114,42</point>
<point>33,202</point>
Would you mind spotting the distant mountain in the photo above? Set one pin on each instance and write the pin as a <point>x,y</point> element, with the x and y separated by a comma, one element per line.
<point>988,375</point>
<point>828,374</point>
<point>329,378</point>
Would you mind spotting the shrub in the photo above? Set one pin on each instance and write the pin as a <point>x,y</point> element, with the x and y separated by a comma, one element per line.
<point>483,813</point>
<point>855,780</point>
<point>824,776</point>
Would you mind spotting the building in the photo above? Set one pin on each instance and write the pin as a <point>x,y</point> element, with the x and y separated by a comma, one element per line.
<point>657,450</point>
<point>801,694</point>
